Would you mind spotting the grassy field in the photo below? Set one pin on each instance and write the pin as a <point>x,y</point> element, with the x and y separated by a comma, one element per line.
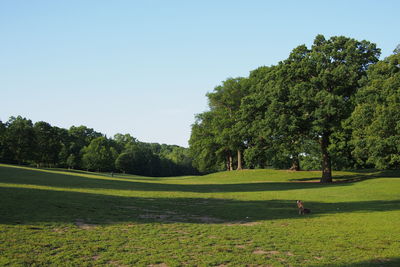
<point>246,218</point>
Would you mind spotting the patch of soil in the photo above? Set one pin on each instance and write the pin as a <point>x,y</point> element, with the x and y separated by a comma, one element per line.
<point>158,265</point>
<point>60,230</point>
<point>260,252</point>
<point>241,223</point>
<point>84,226</point>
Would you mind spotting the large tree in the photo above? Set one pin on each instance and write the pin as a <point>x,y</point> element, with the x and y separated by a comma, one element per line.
<point>328,74</point>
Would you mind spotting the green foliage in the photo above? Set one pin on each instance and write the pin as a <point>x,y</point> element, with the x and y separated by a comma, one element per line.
<point>279,112</point>
<point>19,140</point>
<point>2,140</point>
<point>48,145</point>
<point>124,142</point>
<point>397,50</point>
<point>99,155</point>
<point>203,144</point>
<point>376,118</point>
<point>84,148</point>
<point>216,135</point>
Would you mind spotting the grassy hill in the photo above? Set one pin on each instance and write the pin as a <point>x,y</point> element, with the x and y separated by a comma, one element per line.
<point>61,217</point>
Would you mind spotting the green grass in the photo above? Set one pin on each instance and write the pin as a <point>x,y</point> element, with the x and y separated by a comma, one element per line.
<point>247,218</point>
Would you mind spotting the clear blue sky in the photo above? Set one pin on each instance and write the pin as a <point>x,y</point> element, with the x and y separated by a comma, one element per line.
<point>144,67</point>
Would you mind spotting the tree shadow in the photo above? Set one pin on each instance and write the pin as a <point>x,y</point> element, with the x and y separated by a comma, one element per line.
<point>358,176</point>
<point>390,262</point>
<point>23,176</point>
<point>31,206</point>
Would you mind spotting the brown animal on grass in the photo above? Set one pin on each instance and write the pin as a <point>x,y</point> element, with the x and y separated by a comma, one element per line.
<point>302,210</point>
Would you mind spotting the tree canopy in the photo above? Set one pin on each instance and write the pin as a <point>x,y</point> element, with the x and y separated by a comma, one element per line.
<point>80,147</point>
<point>304,110</point>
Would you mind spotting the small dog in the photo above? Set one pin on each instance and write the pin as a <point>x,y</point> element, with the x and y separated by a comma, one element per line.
<point>302,210</point>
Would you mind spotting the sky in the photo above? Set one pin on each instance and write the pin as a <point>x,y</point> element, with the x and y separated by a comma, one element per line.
<point>144,67</point>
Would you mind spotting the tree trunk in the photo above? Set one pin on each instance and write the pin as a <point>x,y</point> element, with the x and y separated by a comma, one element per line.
<point>230,163</point>
<point>326,159</point>
<point>295,164</point>
<point>239,159</point>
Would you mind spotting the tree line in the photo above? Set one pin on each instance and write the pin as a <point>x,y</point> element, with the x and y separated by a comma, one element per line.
<point>331,105</point>
<point>43,145</point>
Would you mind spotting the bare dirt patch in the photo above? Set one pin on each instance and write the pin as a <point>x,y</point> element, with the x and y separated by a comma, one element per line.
<point>241,223</point>
<point>60,230</point>
<point>261,252</point>
<point>171,216</point>
<point>84,226</point>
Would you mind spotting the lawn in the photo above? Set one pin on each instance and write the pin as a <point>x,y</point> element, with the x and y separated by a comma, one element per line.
<point>242,218</point>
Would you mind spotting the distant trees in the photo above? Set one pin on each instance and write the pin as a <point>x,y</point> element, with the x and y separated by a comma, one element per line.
<point>44,145</point>
<point>315,106</point>
<point>19,140</point>
<point>99,155</point>
<point>48,145</point>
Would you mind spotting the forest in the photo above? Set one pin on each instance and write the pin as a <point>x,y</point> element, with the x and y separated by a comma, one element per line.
<point>331,105</point>
<point>79,147</point>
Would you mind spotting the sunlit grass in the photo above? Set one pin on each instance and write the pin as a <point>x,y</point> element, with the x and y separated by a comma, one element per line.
<point>62,217</point>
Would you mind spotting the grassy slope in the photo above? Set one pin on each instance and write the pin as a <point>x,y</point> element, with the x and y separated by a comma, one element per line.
<point>57,217</point>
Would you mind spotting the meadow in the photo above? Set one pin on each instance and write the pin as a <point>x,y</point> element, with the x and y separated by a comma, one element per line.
<point>61,217</point>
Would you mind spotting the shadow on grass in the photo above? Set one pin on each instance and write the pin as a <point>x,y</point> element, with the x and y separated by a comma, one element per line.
<point>395,262</point>
<point>29,206</point>
<point>29,177</point>
<point>358,176</point>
